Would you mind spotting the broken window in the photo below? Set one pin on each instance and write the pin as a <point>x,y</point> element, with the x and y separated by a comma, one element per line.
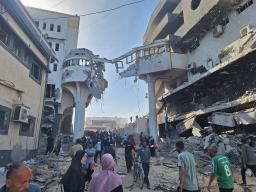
<point>3,34</point>
<point>27,129</point>
<point>59,28</point>
<point>50,91</point>
<point>51,27</point>
<point>55,67</point>
<point>195,4</point>
<point>44,26</point>
<point>57,47</point>
<point>5,114</point>
<point>36,71</point>
<point>37,23</point>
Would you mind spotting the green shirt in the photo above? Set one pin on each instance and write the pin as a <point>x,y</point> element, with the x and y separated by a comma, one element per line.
<point>221,168</point>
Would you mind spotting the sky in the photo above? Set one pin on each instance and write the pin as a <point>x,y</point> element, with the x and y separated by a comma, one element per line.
<point>110,35</point>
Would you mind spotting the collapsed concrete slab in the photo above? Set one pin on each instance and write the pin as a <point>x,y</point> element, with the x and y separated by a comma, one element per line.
<point>189,127</point>
<point>223,119</point>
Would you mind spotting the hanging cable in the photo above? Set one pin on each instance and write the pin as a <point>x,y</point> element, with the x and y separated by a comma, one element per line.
<point>57,4</point>
<point>95,13</point>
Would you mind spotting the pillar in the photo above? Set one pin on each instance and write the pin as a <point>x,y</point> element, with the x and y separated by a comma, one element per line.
<point>153,126</point>
<point>81,97</point>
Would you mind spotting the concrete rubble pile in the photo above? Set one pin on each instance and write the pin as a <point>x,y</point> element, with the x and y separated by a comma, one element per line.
<point>48,170</point>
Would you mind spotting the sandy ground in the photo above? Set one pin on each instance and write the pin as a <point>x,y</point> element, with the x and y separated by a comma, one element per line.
<point>160,175</point>
<point>165,176</point>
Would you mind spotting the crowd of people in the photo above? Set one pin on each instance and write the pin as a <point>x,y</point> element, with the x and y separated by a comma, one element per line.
<point>100,147</point>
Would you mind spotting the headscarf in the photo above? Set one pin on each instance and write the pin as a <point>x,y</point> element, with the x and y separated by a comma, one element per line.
<point>106,180</point>
<point>73,180</point>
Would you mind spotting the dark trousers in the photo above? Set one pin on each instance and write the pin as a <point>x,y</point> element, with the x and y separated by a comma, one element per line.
<point>145,167</point>
<point>226,190</point>
<point>98,153</point>
<point>243,171</point>
<point>88,176</point>
<point>129,165</point>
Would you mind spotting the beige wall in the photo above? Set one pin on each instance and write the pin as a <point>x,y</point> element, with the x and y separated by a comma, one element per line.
<point>24,37</point>
<point>15,72</point>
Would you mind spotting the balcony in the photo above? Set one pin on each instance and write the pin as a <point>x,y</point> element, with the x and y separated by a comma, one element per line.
<point>81,65</point>
<point>154,58</point>
<point>161,10</point>
<point>76,73</point>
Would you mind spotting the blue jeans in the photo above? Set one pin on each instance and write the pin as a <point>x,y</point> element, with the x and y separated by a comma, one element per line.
<point>145,167</point>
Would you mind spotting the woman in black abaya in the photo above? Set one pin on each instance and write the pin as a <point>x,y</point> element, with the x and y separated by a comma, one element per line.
<point>74,178</point>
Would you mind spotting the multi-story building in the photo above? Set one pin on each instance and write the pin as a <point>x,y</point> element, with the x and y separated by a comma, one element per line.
<point>61,31</point>
<point>76,76</point>
<point>198,59</point>
<point>25,57</point>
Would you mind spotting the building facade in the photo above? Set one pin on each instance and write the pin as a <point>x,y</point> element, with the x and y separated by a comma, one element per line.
<point>105,123</point>
<point>198,59</point>
<point>61,31</point>
<point>25,57</point>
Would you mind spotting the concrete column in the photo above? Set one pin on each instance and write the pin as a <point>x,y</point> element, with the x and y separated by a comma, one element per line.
<point>153,127</point>
<point>82,94</point>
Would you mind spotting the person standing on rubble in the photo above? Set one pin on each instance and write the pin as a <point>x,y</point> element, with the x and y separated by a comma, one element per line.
<point>89,164</point>
<point>187,170</point>
<point>129,148</point>
<point>144,155</point>
<point>248,159</point>
<point>221,169</point>
<point>50,144</point>
<point>18,179</point>
<point>98,147</point>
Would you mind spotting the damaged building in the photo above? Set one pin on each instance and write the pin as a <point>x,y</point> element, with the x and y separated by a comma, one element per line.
<point>198,60</point>
<point>25,57</point>
<point>76,76</point>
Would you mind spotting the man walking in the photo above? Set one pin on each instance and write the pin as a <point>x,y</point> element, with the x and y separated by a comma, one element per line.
<point>187,170</point>
<point>98,151</point>
<point>221,169</point>
<point>248,159</point>
<point>129,148</point>
<point>144,155</point>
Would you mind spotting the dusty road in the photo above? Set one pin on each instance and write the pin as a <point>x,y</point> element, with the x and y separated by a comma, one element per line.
<point>163,175</point>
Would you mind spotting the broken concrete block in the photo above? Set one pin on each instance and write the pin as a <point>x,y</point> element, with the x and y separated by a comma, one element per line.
<point>223,119</point>
<point>188,128</point>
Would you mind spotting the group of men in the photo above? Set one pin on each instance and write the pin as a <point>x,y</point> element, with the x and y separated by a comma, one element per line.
<point>221,168</point>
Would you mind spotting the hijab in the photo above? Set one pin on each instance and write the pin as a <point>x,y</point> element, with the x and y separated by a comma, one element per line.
<point>106,180</point>
<point>73,180</point>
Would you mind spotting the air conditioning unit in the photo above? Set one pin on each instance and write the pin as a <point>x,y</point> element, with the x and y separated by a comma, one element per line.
<point>218,31</point>
<point>246,30</point>
<point>20,114</point>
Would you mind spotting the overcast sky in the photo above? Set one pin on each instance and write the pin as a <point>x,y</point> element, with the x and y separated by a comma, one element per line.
<point>110,35</point>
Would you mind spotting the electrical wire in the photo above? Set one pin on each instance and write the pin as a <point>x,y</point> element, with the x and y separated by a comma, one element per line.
<point>57,4</point>
<point>95,13</point>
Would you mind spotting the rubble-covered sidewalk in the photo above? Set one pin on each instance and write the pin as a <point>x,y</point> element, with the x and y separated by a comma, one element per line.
<point>47,170</point>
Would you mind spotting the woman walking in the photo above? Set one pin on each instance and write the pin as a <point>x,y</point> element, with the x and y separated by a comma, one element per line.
<point>74,178</point>
<point>107,180</point>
